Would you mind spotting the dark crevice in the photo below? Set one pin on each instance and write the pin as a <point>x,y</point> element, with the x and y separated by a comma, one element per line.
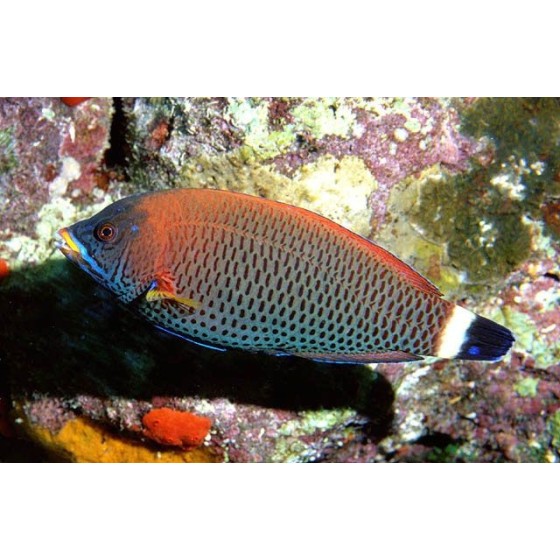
<point>436,439</point>
<point>117,154</point>
<point>434,447</point>
<point>552,275</point>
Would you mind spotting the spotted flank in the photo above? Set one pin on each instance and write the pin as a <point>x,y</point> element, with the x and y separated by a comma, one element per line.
<point>227,270</point>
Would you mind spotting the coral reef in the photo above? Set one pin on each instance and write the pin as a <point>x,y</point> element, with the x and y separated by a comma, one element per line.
<point>50,155</point>
<point>354,148</point>
<point>465,190</point>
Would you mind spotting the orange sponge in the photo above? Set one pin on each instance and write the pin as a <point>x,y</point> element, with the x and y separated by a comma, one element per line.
<point>175,427</point>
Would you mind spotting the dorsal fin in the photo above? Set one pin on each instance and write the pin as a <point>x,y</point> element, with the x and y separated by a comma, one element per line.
<point>404,270</point>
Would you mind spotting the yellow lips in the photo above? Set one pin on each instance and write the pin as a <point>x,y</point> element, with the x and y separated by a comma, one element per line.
<point>69,243</point>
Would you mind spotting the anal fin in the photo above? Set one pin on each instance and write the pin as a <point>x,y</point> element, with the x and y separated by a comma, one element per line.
<point>370,358</point>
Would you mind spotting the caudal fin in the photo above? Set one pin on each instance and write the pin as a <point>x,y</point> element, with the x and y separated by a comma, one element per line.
<point>468,336</point>
<point>485,340</point>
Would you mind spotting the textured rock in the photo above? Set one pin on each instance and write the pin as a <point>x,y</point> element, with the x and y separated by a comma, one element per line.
<point>50,157</point>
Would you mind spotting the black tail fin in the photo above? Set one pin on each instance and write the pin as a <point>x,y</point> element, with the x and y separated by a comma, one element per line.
<point>485,340</point>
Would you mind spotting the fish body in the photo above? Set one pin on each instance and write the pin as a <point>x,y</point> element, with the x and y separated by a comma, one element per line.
<point>229,270</point>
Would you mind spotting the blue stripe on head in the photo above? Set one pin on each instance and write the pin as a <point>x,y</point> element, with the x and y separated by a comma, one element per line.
<point>93,266</point>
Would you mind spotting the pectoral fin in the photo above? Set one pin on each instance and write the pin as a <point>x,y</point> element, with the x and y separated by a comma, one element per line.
<point>163,289</point>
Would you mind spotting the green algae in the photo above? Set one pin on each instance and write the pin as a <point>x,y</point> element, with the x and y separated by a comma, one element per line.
<point>415,243</point>
<point>530,339</point>
<point>452,453</point>
<point>291,451</point>
<point>317,420</point>
<point>325,116</point>
<point>251,115</point>
<point>485,216</point>
<point>527,387</point>
<point>520,127</point>
<point>266,137</point>
<point>554,427</point>
<point>335,188</point>
<point>526,131</point>
<point>8,159</point>
<point>290,446</point>
<point>485,234</point>
<point>413,125</point>
<point>270,135</point>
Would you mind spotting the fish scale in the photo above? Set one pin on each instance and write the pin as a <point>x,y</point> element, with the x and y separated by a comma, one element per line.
<point>240,310</point>
<point>234,271</point>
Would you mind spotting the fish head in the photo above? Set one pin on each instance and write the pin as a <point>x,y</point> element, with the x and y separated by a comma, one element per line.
<point>109,247</point>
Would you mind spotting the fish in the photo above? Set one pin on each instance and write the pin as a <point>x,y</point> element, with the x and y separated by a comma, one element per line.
<point>228,270</point>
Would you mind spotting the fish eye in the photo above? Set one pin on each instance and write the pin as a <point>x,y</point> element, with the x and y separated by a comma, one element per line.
<point>106,232</point>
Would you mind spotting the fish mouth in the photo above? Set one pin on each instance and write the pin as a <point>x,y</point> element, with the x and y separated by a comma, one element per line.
<point>73,250</point>
<point>66,244</point>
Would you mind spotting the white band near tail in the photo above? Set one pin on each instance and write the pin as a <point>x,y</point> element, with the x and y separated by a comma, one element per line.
<point>454,333</point>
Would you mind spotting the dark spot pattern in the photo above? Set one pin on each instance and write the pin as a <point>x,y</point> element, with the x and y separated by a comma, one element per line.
<point>274,279</point>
